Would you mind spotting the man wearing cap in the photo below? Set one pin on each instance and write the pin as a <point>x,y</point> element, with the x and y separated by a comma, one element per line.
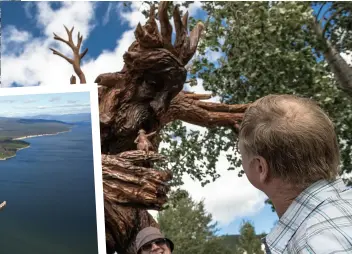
<point>150,240</point>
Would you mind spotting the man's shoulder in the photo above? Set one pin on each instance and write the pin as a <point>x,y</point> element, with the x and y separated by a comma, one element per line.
<point>328,228</point>
<point>334,207</point>
<point>333,212</point>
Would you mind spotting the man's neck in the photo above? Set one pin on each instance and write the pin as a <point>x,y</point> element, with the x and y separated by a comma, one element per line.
<point>282,196</point>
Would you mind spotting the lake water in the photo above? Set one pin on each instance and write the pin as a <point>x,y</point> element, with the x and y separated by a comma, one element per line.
<point>49,189</point>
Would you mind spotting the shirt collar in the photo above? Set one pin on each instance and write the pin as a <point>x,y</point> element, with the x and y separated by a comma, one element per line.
<point>299,210</point>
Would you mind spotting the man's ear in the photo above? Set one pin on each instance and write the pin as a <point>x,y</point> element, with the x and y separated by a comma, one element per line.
<point>262,168</point>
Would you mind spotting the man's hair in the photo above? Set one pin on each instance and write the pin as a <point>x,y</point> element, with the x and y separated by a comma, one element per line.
<point>294,135</point>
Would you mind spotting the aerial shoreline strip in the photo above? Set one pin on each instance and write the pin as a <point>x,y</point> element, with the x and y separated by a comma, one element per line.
<point>32,136</point>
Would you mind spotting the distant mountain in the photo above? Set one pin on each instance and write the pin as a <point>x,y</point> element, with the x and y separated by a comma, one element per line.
<point>68,118</point>
<point>29,121</point>
<point>19,127</point>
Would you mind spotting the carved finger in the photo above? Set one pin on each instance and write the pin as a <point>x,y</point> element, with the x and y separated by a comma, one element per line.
<point>185,21</point>
<point>139,32</point>
<point>147,39</point>
<point>181,31</point>
<point>193,42</point>
<point>165,26</point>
<point>195,36</point>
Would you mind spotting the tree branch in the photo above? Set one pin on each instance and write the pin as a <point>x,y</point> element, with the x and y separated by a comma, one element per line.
<point>127,183</point>
<point>207,114</point>
<point>329,20</point>
<point>320,9</point>
<point>198,96</point>
<point>77,57</point>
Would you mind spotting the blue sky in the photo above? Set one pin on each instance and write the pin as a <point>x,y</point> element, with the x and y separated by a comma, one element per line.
<point>38,104</point>
<point>108,30</point>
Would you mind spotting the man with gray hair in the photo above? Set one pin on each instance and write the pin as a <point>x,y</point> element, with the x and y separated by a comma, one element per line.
<point>290,152</point>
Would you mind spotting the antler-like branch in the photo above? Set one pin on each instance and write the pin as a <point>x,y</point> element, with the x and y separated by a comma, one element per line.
<point>77,56</point>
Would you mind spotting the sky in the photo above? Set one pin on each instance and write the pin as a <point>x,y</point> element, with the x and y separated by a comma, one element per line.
<point>108,30</point>
<point>48,104</point>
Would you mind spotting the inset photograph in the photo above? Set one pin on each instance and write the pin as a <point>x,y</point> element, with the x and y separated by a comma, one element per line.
<point>47,186</point>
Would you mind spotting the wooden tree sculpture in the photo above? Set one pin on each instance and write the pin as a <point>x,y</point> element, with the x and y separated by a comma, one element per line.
<point>146,95</point>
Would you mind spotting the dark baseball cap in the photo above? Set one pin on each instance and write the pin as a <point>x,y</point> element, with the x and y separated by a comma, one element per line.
<point>149,234</point>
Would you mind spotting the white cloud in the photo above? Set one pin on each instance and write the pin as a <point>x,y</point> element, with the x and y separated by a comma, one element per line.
<point>134,16</point>
<point>199,88</point>
<point>348,57</point>
<point>106,17</point>
<point>228,198</point>
<point>81,14</point>
<point>27,7</point>
<point>192,9</point>
<point>14,35</point>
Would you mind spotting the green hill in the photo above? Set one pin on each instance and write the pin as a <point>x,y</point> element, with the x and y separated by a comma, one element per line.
<point>14,128</point>
<point>8,148</point>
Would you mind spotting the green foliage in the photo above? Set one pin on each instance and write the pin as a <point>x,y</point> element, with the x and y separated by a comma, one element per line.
<point>249,241</point>
<point>9,147</point>
<point>189,226</point>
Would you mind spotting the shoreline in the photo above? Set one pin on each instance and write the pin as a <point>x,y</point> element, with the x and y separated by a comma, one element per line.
<point>31,136</point>
<point>41,135</point>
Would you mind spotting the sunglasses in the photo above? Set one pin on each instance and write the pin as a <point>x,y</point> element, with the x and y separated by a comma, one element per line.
<point>157,242</point>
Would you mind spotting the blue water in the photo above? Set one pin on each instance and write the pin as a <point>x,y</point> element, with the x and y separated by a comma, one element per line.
<point>49,189</point>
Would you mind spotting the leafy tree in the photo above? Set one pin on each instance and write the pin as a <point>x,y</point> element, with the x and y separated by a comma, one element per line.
<point>249,241</point>
<point>267,49</point>
<point>189,226</point>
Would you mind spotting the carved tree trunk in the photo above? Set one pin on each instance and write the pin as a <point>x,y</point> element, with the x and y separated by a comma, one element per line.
<point>147,94</point>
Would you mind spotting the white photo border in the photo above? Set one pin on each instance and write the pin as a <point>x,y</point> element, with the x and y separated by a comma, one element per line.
<point>94,109</point>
